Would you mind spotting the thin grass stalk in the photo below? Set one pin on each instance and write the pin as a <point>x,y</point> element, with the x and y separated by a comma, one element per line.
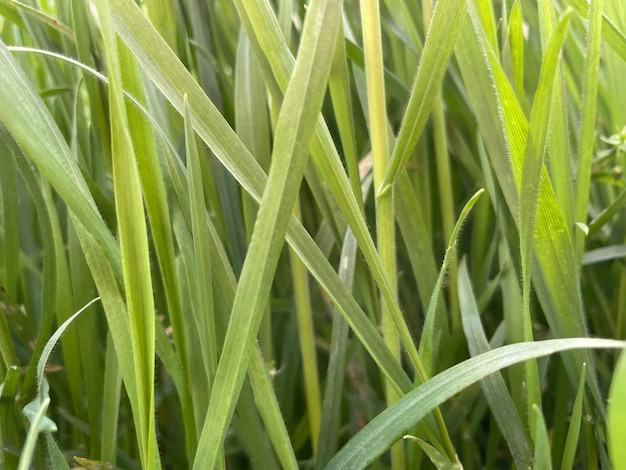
<point>306,333</point>
<point>134,249</point>
<point>588,119</point>
<point>385,226</point>
<point>444,180</point>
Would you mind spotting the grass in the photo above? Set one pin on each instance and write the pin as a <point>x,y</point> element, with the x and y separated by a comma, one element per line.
<point>331,234</point>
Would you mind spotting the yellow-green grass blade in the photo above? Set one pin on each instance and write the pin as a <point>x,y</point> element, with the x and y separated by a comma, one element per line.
<point>171,78</point>
<point>493,387</point>
<point>428,342</point>
<point>444,30</point>
<point>559,161</point>
<point>133,239</point>
<point>331,406</point>
<point>516,40</point>
<point>385,221</point>
<point>393,423</point>
<point>611,33</point>
<point>536,148</point>
<point>542,458</point>
<point>556,280</point>
<point>573,432</point>
<point>588,118</point>
<point>154,195</point>
<point>306,333</point>
<point>201,284</point>
<point>300,107</point>
<point>269,41</point>
<point>617,414</point>
<point>32,127</point>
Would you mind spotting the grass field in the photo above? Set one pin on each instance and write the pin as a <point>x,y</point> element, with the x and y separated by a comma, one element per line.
<point>327,234</point>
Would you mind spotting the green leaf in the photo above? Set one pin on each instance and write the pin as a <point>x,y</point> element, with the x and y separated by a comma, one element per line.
<point>389,426</point>
<point>289,157</point>
<point>617,414</point>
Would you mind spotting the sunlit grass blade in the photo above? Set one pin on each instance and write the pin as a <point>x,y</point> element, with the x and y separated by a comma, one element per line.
<point>289,156</point>
<point>588,118</point>
<point>444,29</point>
<point>385,221</point>
<point>536,148</point>
<point>171,77</point>
<point>555,281</point>
<point>617,414</point>
<point>396,421</point>
<point>133,247</point>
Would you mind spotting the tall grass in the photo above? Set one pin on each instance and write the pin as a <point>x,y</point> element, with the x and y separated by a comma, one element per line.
<point>321,234</point>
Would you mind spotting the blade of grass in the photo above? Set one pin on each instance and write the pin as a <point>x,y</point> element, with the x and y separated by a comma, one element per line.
<point>542,458</point>
<point>536,147</point>
<point>385,223</point>
<point>428,341</point>
<point>133,247</point>
<point>617,413</point>
<point>444,30</point>
<point>493,387</point>
<point>588,118</point>
<point>170,76</point>
<point>380,433</point>
<point>571,442</point>
<point>301,106</point>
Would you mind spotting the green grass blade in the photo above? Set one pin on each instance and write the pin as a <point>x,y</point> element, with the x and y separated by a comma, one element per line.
<point>444,30</point>
<point>133,247</point>
<point>396,421</point>
<point>428,342</point>
<point>493,387</point>
<point>385,221</point>
<point>542,441</point>
<point>571,442</point>
<point>536,147</point>
<point>331,407</point>
<point>588,117</point>
<point>306,332</point>
<point>293,133</point>
<point>202,285</point>
<point>617,414</point>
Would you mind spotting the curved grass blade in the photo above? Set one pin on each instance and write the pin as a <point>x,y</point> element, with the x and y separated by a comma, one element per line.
<point>428,342</point>
<point>394,422</point>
